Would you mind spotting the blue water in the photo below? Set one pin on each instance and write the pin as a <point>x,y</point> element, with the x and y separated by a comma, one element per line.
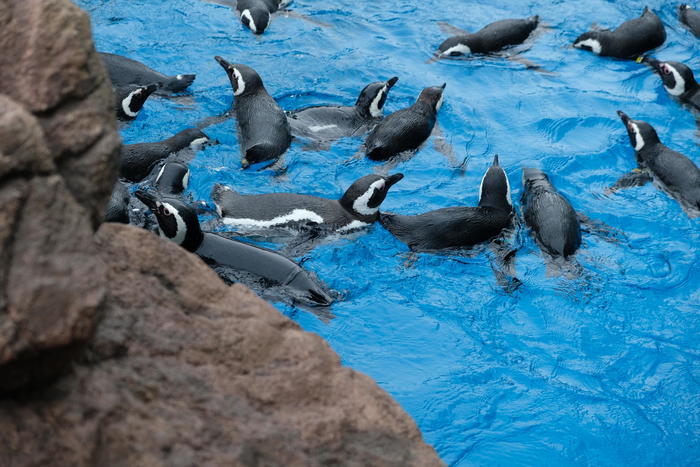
<point>600,370</point>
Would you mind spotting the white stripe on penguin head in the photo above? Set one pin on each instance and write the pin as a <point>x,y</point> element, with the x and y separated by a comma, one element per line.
<point>374,109</point>
<point>459,48</point>
<point>361,204</point>
<point>240,83</point>
<point>638,140</point>
<point>594,44</point>
<point>251,24</point>
<point>679,88</point>
<point>126,103</point>
<point>181,232</point>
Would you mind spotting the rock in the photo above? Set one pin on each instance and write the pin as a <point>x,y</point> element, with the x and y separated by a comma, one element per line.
<point>184,370</point>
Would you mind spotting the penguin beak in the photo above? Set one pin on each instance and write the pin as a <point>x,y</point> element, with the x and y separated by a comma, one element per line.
<point>443,85</point>
<point>224,64</point>
<point>391,82</point>
<point>625,118</point>
<point>393,179</point>
<point>147,198</point>
<point>495,161</point>
<point>652,62</point>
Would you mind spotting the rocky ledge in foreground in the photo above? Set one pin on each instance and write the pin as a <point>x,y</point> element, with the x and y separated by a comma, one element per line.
<point>119,348</point>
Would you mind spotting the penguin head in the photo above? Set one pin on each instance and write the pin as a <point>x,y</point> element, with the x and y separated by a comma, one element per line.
<point>131,99</point>
<point>256,19</point>
<point>373,96</point>
<point>677,78</point>
<point>432,97</point>
<point>641,133</point>
<point>494,190</point>
<point>455,46</point>
<point>591,41</point>
<point>172,178</point>
<point>244,80</point>
<point>194,138</point>
<point>366,194</point>
<point>176,221</point>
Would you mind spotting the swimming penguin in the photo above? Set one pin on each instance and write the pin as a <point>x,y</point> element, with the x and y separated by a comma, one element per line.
<point>678,80</point>
<point>406,129</point>
<point>263,130</point>
<point>358,207</point>
<point>178,223</point>
<point>549,215</point>
<point>124,71</point>
<point>118,205</point>
<point>129,100</point>
<point>327,123</point>
<point>631,39</point>
<point>690,18</point>
<point>492,38</point>
<point>673,172</point>
<point>255,14</point>
<point>458,226</point>
<point>137,160</point>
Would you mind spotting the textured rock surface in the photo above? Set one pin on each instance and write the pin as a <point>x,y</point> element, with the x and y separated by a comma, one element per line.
<point>169,366</point>
<point>184,370</point>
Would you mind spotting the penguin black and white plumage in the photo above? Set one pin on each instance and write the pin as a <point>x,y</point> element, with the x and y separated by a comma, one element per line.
<point>179,223</point>
<point>549,215</point>
<point>129,100</point>
<point>137,160</point>
<point>327,123</point>
<point>172,178</point>
<point>678,80</point>
<point>630,40</point>
<point>118,205</point>
<point>690,17</point>
<point>124,71</point>
<point>670,170</point>
<point>256,14</point>
<point>406,129</point>
<point>458,226</point>
<point>263,130</point>
<point>492,38</point>
<point>357,208</point>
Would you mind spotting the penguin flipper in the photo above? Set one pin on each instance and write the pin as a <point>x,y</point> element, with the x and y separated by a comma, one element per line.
<point>444,147</point>
<point>601,229</point>
<point>447,28</point>
<point>294,14</point>
<point>530,65</point>
<point>630,179</point>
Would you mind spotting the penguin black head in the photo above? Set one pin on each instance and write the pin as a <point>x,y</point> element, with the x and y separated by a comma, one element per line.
<point>677,78</point>
<point>373,96</point>
<point>494,190</point>
<point>432,96</point>
<point>130,99</point>
<point>176,221</point>
<point>683,11</point>
<point>532,175</point>
<point>244,80</point>
<point>256,19</point>
<point>366,194</point>
<point>455,46</point>
<point>591,41</point>
<point>641,133</point>
<point>172,178</point>
<point>192,137</point>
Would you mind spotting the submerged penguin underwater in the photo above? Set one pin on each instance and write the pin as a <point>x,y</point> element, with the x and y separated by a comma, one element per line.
<point>548,374</point>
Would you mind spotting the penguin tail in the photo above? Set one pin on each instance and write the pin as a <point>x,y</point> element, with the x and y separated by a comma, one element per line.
<point>259,153</point>
<point>376,154</point>
<point>179,83</point>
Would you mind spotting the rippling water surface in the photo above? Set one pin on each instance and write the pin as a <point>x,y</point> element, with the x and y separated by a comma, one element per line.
<point>603,369</point>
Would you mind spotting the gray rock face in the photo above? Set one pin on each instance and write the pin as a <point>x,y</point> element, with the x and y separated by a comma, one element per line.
<point>119,348</point>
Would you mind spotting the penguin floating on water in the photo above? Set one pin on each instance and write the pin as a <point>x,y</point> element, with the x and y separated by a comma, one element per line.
<point>630,40</point>
<point>328,123</point>
<point>492,38</point>
<point>678,80</point>
<point>670,170</point>
<point>129,100</point>
<point>263,130</point>
<point>124,71</point>
<point>691,18</point>
<point>178,223</point>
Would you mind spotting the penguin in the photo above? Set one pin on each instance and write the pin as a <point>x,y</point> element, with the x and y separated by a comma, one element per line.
<point>406,129</point>
<point>460,226</point>
<point>492,38</point>
<point>118,205</point>
<point>549,215</point>
<point>691,18</point>
<point>327,123</point>
<point>172,179</point>
<point>255,14</point>
<point>137,160</point>
<point>124,71</point>
<point>129,100</point>
<point>631,39</point>
<point>671,171</point>
<point>178,223</point>
<point>357,208</point>
<point>678,80</point>
<point>263,131</point>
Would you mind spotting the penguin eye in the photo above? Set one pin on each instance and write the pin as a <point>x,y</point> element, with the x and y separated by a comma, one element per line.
<point>666,70</point>
<point>165,211</point>
<point>455,54</point>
